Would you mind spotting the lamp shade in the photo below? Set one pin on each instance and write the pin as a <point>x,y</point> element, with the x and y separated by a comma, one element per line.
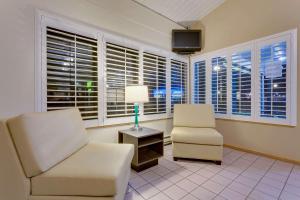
<point>136,94</point>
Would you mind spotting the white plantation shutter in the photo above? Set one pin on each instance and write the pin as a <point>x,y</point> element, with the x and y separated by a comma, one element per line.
<point>241,83</point>
<point>122,69</point>
<point>219,84</point>
<point>273,80</point>
<point>72,72</point>
<point>255,81</point>
<point>154,76</point>
<point>200,82</point>
<point>179,78</point>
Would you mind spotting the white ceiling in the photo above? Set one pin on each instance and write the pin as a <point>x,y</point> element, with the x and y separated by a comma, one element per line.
<point>184,12</point>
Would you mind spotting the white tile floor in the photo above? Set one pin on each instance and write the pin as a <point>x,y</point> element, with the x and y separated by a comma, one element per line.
<point>241,176</point>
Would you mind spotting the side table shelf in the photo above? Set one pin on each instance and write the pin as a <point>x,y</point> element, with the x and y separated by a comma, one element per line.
<point>148,146</point>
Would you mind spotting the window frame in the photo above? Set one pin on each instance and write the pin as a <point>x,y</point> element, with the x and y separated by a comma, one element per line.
<point>254,46</point>
<point>44,19</point>
<point>290,115</point>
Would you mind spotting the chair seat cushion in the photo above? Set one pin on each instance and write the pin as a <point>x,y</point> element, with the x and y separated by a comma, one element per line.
<point>204,136</point>
<point>98,169</point>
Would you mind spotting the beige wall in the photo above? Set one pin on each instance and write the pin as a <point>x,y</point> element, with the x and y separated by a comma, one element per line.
<point>17,41</point>
<point>238,21</point>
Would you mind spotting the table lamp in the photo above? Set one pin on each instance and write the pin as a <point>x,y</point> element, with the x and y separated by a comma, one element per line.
<point>136,94</point>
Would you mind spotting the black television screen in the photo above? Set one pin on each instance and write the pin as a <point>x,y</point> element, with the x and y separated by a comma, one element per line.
<point>186,40</point>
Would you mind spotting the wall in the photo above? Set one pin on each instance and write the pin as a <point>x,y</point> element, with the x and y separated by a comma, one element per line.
<point>110,133</point>
<point>17,41</point>
<point>238,21</point>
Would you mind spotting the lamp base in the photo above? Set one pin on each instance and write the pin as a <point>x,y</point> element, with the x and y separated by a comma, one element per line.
<point>139,128</point>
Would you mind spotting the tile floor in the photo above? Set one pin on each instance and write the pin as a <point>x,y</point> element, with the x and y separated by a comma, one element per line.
<point>241,176</point>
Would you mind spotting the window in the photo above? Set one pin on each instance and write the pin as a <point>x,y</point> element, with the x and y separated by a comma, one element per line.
<point>273,80</point>
<point>154,76</point>
<point>199,82</point>
<point>178,83</point>
<point>241,83</point>
<point>72,72</point>
<point>254,81</point>
<point>219,84</point>
<point>89,68</point>
<point>122,69</point>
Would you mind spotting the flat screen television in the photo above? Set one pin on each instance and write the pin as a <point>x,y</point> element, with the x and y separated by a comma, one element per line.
<point>186,41</point>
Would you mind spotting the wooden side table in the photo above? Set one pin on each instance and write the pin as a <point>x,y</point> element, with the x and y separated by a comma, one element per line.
<point>148,146</point>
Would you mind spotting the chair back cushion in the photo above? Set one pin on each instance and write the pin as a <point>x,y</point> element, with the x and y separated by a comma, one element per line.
<point>13,182</point>
<point>44,139</point>
<point>194,115</point>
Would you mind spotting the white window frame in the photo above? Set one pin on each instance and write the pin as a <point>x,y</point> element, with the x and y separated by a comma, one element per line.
<point>44,19</point>
<point>254,46</point>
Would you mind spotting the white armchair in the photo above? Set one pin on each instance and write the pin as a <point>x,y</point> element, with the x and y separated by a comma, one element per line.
<point>194,135</point>
<point>47,156</point>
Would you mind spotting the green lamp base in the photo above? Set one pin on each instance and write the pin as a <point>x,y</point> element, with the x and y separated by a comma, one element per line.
<point>136,126</point>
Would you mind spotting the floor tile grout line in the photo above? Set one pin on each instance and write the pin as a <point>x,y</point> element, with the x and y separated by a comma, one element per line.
<point>237,177</point>
<point>260,181</point>
<point>285,183</point>
<point>195,172</point>
<point>214,181</point>
<point>217,194</point>
<point>148,182</point>
<point>196,184</point>
<point>189,180</point>
<point>209,179</point>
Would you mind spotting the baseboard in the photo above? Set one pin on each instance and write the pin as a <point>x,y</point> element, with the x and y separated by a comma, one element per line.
<point>263,154</point>
<point>167,140</point>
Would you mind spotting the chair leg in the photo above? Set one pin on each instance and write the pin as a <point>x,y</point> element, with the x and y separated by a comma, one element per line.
<point>218,162</point>
<point>175,158</point>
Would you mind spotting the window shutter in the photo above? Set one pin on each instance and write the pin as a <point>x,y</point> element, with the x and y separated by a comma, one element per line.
<point>273,82</point>
<point>178,83</point>
<point>219,84</point>
<point>259,84</point>
<point>199,82</point>
<point>154,76</point>
<point>241,83</point>
<point>122,69</point>
<point>72,72</point>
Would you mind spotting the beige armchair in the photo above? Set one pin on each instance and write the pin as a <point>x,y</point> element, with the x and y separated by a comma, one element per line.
<point>47,156</point>
<point>194,135</point>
